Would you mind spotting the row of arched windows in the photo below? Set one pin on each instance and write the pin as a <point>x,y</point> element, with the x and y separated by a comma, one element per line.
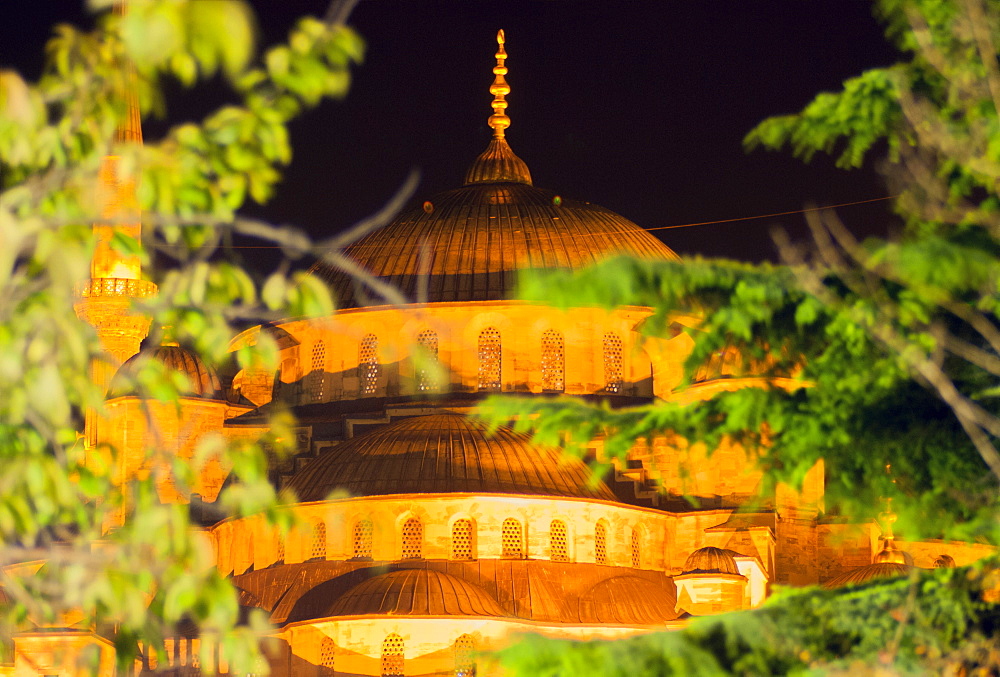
<point>463,541</point>
<point>490,355</point>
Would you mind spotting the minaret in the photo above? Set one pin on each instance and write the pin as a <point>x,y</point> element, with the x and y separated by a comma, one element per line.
<point>115,279</point>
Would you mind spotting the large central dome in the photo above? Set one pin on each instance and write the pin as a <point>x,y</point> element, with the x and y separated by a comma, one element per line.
<point>469,244</point>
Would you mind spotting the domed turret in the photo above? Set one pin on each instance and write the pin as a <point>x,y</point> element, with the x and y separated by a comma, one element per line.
<point>202,381</point>
<point>711,560</point>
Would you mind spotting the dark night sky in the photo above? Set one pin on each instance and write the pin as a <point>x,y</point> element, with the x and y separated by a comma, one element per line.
<point>637,106</point>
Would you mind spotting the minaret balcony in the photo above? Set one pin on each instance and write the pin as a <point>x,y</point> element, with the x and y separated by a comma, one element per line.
<point>116,287</point>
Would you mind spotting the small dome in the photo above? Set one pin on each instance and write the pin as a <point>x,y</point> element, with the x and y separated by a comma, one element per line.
<point>711,560</point>
<point>202,380</point>
<point>415,592</point>
<point>444,453</point>
<point>628,600</point>
<point>868,573</point>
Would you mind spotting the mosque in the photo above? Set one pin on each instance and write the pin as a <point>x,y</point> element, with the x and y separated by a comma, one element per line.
<point>425,540</point>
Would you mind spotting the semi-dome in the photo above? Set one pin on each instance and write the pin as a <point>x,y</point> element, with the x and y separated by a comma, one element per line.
<point>628,600</point>
<point>711,560</point>
<point>415,592</point>
<point>444,453</point>
<point>202,381</point>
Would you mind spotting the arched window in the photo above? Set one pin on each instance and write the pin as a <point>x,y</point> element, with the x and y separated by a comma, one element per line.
<point>461,539</point>
<point>318,549</point>
<point>614,364</point>
<point>558,541</point>
<point>511,539</point>
<point>553,361</point>
<point>465,656</point>
<point>317,375</point>
<point>327,654</point>
<point>413,539</point>
<point>601,543</point>
<point>636,549</point>
<point>489,359</point>
<point>392,656</point>
<point>363,539</point>
<point>427,373</point>
<point>368,366</point>
<point>279,557</point>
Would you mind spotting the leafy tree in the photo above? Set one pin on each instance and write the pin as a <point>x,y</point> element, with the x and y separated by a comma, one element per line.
<point>893,346</point>
<point>57,496</point>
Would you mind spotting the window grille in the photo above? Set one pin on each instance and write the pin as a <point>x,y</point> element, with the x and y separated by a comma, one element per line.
<point>363,539</point>
<point>614,364</point>
<point>489,359</point>
<point>392,656</point>
<point>511,538</point>
<point>636,551</point>
<point>327,655</point>
<point>465,656</point>
<point>318,373</point>
<point>413,538</point>
<point>280,559</point>
<point>601,543</point>
<point>558,542</point>
<point>368,366</point>
<point>461,539</point>
<point>318,550</point>
<point>553,361</point>
<point>427,378</point>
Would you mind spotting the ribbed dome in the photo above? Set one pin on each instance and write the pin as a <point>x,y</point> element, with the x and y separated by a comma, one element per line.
<point>869,572</point>
<point>471,242</point>
<point>443,453</point>
<point>202,380</point>
<point>711,560</point>
<point>628,600</point>
<point>415,592</point>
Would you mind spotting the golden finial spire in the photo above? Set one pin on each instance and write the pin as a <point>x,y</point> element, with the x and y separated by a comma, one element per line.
<point>498,164</point>
<point>499,120</point>
<point>890,552</point>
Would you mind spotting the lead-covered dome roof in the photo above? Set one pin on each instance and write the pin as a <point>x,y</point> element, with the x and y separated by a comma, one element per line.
<point>470,243</point>
<point>711,560</point>
<point>869,572</point>
<point>628,600</point>
<point>415,592</point>
<point>444,453</point>
<point>202,381</point>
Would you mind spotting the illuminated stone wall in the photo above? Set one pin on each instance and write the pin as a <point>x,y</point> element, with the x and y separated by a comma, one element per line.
<point>246,543</point>
<point>457,327</point>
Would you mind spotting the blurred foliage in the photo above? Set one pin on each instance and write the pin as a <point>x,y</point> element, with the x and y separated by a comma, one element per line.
<point>864,354</point>
<point>56,497</point>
